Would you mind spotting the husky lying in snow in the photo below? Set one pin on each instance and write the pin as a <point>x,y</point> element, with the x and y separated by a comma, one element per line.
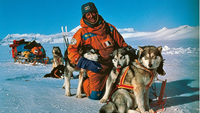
<point>56,72</point>
<point>133,80</point>
<point>87,52</point>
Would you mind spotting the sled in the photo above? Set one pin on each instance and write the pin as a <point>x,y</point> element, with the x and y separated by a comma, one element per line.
<point>28,52</point>
<point>43,60</point>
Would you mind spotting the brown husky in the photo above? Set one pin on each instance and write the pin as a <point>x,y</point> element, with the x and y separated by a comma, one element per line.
<point>57,57</point>
<point>133,80</point>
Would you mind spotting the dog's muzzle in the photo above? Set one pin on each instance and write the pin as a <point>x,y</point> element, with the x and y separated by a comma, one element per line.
<point>150,65</point>
<point>119,66</point>
<point>57,52</point>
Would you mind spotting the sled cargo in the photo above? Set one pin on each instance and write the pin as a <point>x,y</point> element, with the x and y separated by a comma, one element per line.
<point>28,52</point>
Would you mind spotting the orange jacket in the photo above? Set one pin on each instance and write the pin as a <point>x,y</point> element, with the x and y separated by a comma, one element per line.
<point>97,38</point>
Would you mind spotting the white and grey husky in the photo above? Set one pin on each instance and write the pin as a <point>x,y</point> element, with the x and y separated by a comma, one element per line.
<point>133,79</point>
<point>87,52</point>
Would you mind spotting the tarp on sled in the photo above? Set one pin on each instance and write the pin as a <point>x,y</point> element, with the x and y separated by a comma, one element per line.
<point>20,48</point>
<point>35,49</point>
<point>17,46</point>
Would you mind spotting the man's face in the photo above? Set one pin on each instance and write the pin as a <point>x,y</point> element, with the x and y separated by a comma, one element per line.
<point>91,17</point>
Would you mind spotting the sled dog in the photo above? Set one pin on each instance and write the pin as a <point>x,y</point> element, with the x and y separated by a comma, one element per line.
<point>57,57</point>
<point>56,72</point>
<point>87,52</point>
<point>133,80</point>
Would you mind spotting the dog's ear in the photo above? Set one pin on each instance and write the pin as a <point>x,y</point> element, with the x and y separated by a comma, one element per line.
<point>127,60</point>
<point>111,55</point>
<point>140,50</point>
<point>159,48</point>
<point>127,48</point>
<point>59,48</point>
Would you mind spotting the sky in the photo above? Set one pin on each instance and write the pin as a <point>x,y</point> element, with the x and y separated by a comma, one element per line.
<point>47,16</point>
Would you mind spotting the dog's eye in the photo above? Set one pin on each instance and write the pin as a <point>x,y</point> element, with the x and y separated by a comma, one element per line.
<point>122,57</point>
<point>146,57</point>
<point>153,57</point>
<point>114,59</point>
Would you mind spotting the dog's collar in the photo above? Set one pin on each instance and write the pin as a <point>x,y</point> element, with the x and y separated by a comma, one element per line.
<point>119,69</point>
<point>152,74</point>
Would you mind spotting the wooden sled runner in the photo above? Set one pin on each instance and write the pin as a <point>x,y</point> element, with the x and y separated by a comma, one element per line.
<point>43,60</point>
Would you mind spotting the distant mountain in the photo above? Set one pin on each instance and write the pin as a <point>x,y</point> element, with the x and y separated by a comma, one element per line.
<point>181,32</point>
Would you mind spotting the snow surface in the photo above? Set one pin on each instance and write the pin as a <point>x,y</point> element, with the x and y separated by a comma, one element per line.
<point>24,90</point>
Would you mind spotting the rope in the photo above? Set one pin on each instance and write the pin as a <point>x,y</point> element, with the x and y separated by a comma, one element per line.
<point>154,90</point>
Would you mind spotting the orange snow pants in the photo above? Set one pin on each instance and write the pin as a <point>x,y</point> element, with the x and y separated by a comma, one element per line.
<point>94,85</point>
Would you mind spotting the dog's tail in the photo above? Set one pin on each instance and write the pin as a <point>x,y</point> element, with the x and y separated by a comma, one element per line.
<point>109,108</point>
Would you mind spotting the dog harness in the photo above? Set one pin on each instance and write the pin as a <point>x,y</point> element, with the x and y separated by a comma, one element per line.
<point>121,83</point>
<point>58,60</point>
<point>56,74</point>
<point>127,86</point>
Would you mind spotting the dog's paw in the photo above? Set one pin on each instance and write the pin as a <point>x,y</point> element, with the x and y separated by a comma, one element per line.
<point>151,111</point>
<point>145,112</point>
<point>68,94</point>
<point>132,111</point>
<point>79,96</point>
<point>103,100</point>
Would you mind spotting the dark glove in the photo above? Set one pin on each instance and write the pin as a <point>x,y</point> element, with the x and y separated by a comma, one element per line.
<point>89,64</point>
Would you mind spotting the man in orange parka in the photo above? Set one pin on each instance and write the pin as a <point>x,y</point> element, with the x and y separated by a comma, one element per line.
<point>101,36</point>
